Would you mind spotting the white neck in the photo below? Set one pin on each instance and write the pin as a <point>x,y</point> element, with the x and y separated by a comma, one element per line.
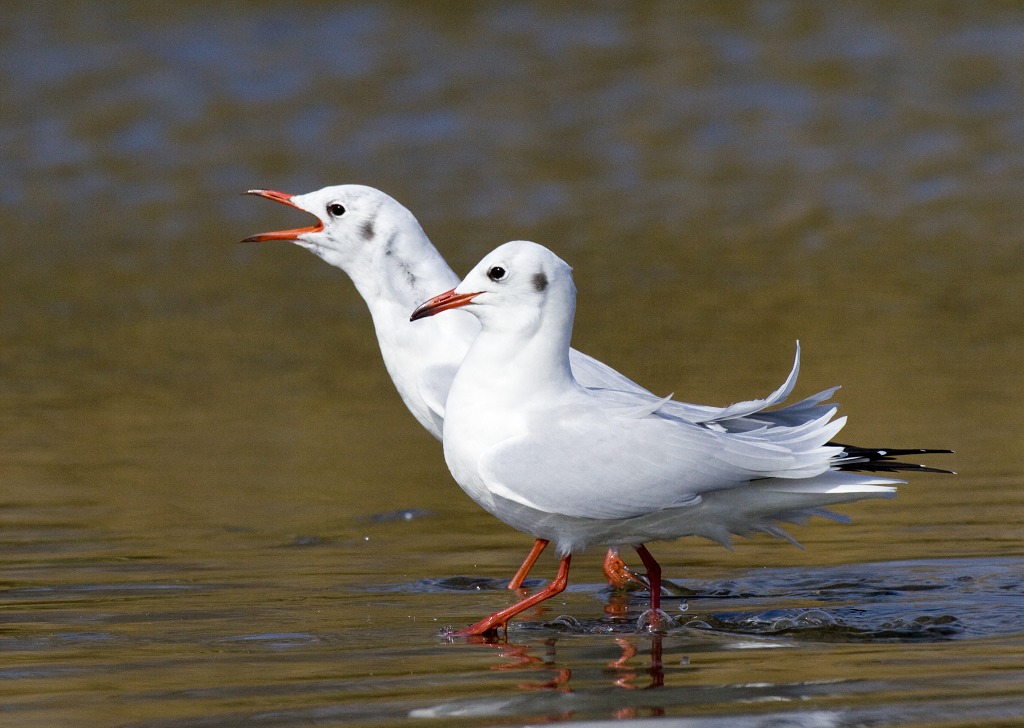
<point>402,275</point>
<point>526,359</point>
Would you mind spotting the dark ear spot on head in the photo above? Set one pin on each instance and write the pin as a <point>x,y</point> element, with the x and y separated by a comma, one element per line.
<point>540,282</point>
<point>367,230</point>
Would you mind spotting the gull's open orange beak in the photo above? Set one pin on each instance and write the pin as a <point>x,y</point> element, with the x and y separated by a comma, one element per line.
<point>285,199</point>
<point>443,302</point>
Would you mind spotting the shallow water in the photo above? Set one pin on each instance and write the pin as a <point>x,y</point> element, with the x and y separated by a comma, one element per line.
<point>214,509</point>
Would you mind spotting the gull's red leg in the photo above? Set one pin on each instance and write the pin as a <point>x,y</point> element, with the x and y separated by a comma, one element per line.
<point>653,575</point>
<point>499,619</point>
<point>619,575</point>
<point>531,558</point>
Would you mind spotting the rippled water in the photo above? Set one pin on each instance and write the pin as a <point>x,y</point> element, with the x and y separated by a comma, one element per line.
<point>214,509</point>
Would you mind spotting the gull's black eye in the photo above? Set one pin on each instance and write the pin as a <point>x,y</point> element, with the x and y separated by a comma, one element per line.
<point>336,209</point>
<point>497,273</point>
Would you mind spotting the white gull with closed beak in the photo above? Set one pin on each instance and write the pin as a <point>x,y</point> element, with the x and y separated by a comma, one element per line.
<point>579,465</point>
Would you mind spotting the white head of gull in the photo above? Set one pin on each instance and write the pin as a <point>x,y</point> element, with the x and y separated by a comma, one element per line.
<point>394,266</point>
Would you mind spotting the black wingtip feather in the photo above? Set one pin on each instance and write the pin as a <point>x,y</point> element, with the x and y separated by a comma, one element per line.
<point>882,459</point>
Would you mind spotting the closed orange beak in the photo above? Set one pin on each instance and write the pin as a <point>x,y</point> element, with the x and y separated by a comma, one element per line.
<point>443,302</point>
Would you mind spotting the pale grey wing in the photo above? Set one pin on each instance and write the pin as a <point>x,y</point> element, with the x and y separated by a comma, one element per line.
<point>581,471</point>
<point>594,374</point>
<point>790,415</point>
<point>754,414</point>
<point>739,417</point>
<point>610,467</point>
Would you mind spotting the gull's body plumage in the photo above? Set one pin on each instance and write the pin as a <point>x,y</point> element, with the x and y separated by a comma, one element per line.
<point>580,466</point>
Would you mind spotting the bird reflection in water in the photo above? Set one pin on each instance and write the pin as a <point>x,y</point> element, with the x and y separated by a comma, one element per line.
<point>625,672</point>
